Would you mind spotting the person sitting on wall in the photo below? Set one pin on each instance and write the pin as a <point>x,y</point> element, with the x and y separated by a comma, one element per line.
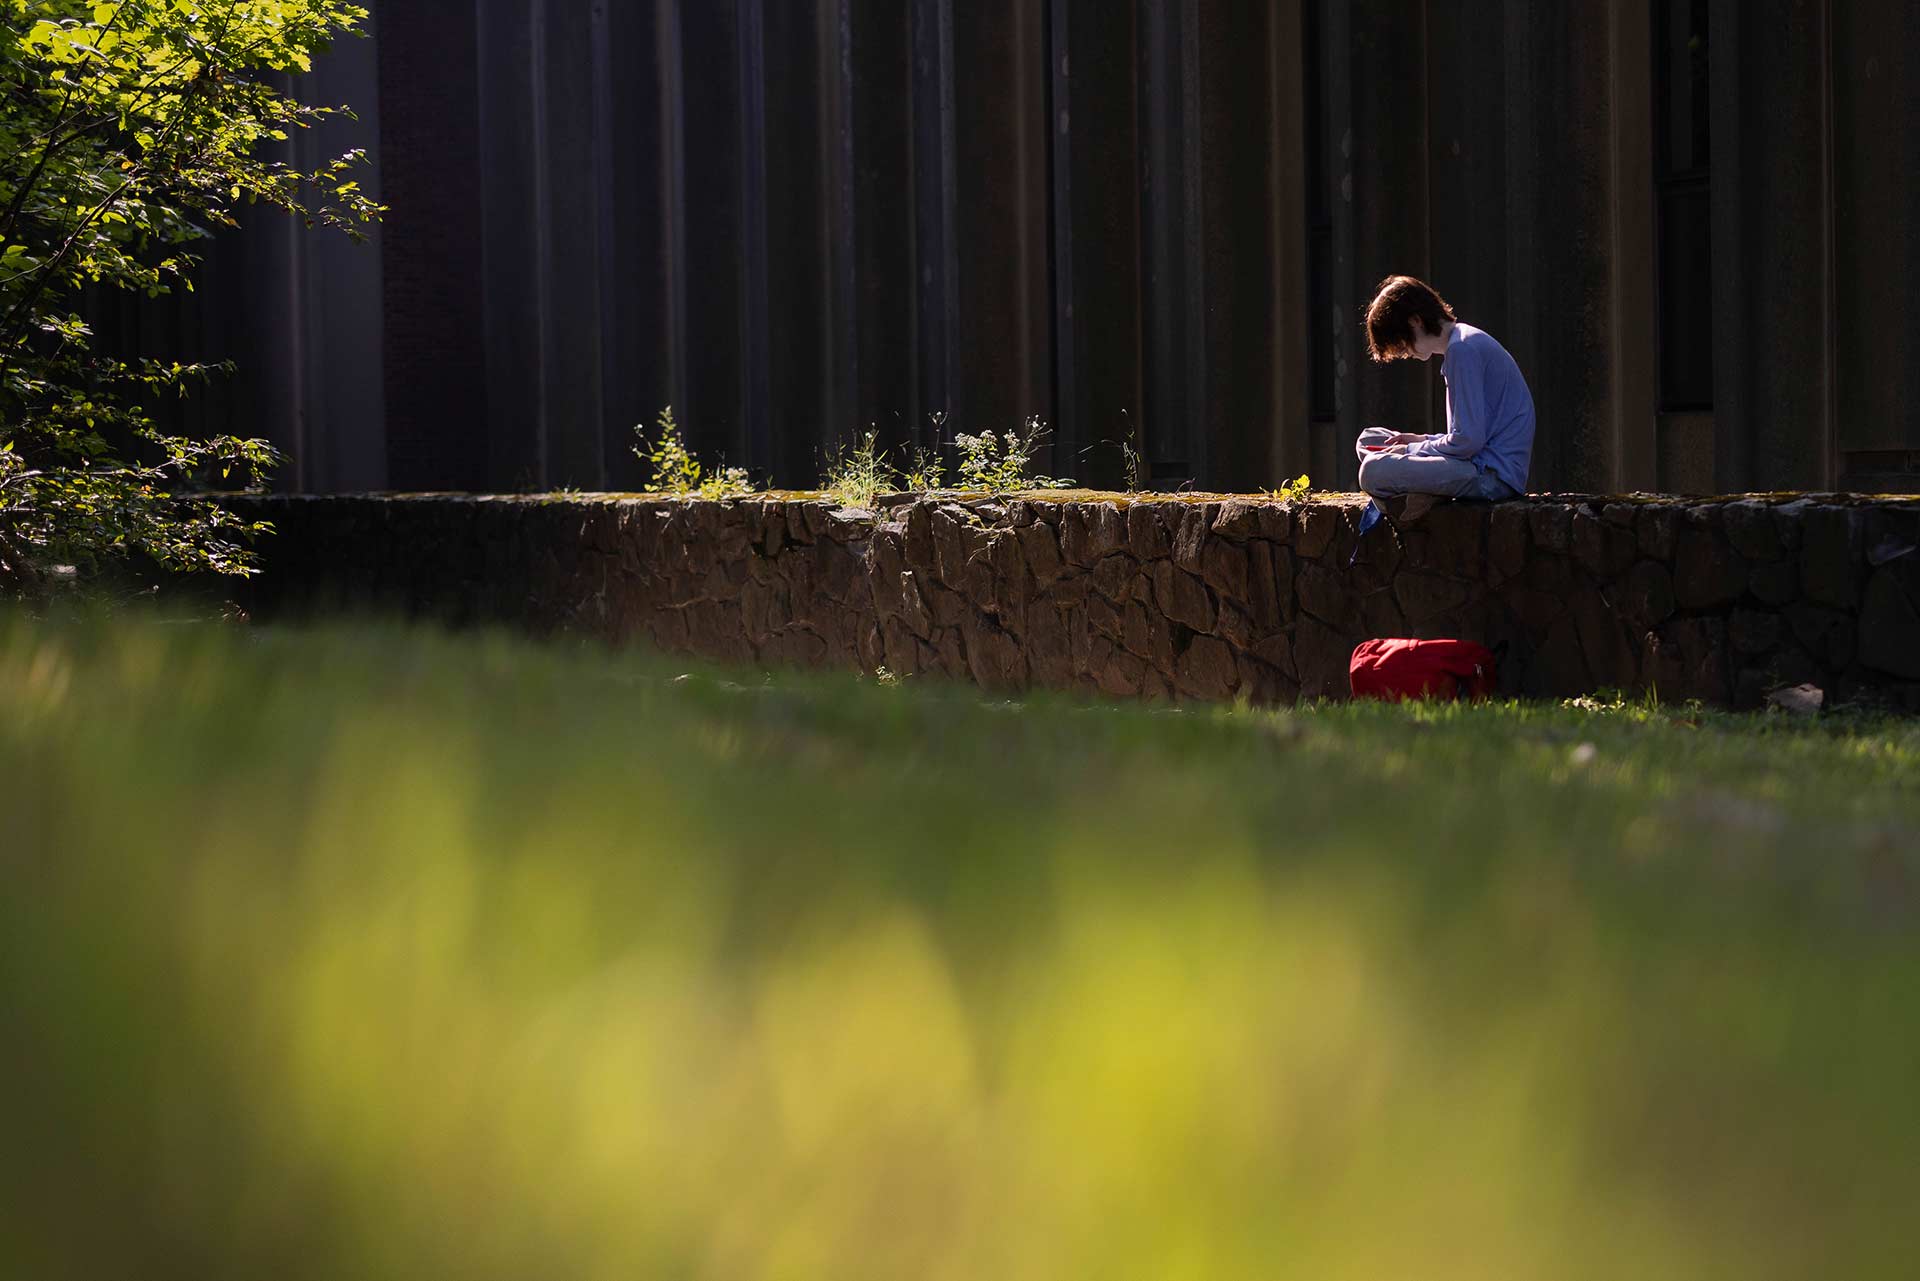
<point>1488,444</point>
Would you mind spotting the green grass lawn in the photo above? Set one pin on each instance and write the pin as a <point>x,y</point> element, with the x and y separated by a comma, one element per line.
<point>365,952</point>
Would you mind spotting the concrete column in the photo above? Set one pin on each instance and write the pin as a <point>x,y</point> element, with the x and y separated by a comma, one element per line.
<point>298,310</point>
<point>1286,449</point>
<point>719,277</point>
<point>637,265</point>
<point>1336,331</point>
<point>808,229</point>
<point>1522,142</point>
<point>1560,267</point>
<point>1390,191</point>
<point>1095,51</point>
<point>1539,146</point>
<point>1769,245</point>
<point>435,369</point>
<point>309,346</point>
<point>1734,290</point>
<point>1173,293</point>
<point>259,275</point>
<point>572,117</point>
<point>349,285</point>
<point>1467,105</point>
<point>1634,386</point>
<point>1876,232</point>
<point>511,440</point>
<point>1470,223</point>
<point>936,279</point>
<point>885,280</point>
<point>1000,221</point>
<point>1241,280</point>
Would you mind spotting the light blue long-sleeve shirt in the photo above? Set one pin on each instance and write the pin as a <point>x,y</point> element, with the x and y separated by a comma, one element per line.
<point>1489,409</point>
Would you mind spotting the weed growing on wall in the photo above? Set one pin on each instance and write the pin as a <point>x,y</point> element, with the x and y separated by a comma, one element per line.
<point>1292,490</point>
<point>927,469</point>
<point>1133,466</point>
<point>856,475</point>
<point>924,471</point>
<point>997,462</point>
<point>676,472</point>
<point>1132,461</point>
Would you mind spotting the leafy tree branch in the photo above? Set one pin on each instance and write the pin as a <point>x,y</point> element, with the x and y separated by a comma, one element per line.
<point>130,131</point>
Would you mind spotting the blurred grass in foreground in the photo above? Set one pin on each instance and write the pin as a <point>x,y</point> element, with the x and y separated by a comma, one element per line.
<point>364,952</point>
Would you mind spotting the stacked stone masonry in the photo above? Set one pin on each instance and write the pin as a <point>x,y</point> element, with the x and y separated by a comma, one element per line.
<point>1189,597</point>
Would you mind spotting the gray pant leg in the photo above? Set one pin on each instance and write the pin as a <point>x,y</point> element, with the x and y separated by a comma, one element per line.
<point>1385,474</point>
<point>1490,489</point>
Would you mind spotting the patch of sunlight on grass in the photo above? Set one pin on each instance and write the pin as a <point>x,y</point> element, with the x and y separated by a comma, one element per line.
<point>367,951</point>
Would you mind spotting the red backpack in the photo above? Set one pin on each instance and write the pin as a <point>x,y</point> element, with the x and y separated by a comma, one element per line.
<point>1397,669</point>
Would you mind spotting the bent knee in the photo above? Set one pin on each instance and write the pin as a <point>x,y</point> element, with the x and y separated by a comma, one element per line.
<point>1373,478</point>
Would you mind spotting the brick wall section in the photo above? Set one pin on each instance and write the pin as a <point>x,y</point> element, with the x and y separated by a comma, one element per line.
<point>1177,598</point>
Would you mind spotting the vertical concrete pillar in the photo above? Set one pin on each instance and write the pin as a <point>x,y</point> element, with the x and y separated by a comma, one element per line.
<point>1769,245</point>
<point>808,161</point>
<point>432,244</point>
<point>756,340</point>
<point>1287,448</point>
<point>351,285</point>
<point>1173,286</point>
<point>1335,342</point>
<point>1876,233</point>
<point>1001,196</point>
<point>1241,271</point>
<point>943,390</point>
<point>1390,191</point>
<point>1094,48</point>
<point>1470,225</point>
<point>885,111</point>
<point>1634,387</point>
<point>637,265</point>
<point>572,75</point>
<point>1467,106</point>
<point>1538,142</point>
<point>311,348</point>
<point>1734,290</point>
<point>1524,146</point>
<point>1560,189</point>
<point>717,154</point>
<point>260,277</point>
<point>833,57</point>
<point>509,441</point>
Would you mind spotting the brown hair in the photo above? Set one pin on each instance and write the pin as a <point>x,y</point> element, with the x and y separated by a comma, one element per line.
<point>1398,301</point>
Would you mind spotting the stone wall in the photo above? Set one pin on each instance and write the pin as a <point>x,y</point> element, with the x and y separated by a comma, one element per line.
<point>1189,597</point>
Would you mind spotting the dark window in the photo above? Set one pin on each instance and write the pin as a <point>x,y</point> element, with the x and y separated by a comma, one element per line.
<point>1320,340</point>
<point>1682,171</point>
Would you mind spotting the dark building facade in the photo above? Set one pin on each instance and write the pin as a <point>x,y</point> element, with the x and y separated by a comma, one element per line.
<point>1693,222</point>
